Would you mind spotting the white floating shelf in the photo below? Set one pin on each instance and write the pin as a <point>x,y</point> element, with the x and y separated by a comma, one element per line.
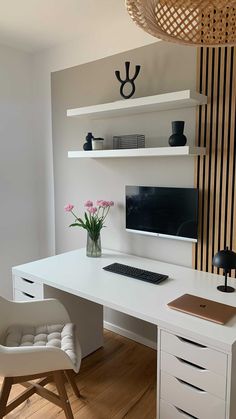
<point>139,152</point>
<point>173,100</point>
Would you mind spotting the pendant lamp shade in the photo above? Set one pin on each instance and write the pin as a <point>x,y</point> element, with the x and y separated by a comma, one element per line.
<point>191,22</point>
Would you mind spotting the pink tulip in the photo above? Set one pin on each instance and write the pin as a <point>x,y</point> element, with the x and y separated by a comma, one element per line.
<point>69,207</point>
<point>92,210</point>
<point>88,204</point>
<point>104,204</point>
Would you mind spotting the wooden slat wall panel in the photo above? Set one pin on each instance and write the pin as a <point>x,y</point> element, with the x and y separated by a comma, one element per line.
<point>215,174</point>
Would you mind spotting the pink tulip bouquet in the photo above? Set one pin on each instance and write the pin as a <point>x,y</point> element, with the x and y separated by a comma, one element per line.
<point>93,222</point>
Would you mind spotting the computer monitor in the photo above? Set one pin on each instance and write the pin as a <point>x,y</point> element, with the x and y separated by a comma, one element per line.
<point>162,211</point>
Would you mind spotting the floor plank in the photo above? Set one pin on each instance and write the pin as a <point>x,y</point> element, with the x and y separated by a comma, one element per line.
<point>116,382</point>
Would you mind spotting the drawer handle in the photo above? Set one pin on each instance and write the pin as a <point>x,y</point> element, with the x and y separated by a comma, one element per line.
<point>189,385</point>
<point>27,280</point>
<point>191,342</point>
<point>185,413</point>
<point>28,295</point>
<point>183,361</point>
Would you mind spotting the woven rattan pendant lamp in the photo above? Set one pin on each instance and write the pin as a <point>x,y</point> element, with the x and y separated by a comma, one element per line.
<point>191,22</point>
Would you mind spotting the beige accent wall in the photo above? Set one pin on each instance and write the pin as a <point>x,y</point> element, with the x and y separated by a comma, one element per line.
<point>165,68</point>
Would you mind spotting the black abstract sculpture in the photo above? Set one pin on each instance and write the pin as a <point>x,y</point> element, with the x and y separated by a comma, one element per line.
<point>127,80</point>
<point>225,259</point>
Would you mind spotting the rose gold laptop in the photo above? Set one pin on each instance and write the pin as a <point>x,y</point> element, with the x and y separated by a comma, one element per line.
<point>201,307</point>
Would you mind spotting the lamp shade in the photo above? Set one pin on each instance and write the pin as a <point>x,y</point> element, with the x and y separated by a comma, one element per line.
<point>189,22</point>
<point>225,259</point>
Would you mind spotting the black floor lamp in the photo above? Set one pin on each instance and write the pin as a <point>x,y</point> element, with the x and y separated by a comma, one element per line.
<point>225,259</point>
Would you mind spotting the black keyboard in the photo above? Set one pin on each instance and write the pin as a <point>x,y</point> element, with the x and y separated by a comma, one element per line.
<point>136,273</point>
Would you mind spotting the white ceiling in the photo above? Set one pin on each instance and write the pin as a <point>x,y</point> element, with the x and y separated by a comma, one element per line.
<point>33,25</point>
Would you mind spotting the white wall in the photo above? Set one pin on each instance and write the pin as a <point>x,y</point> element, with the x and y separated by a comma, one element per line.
<point>19,241</point>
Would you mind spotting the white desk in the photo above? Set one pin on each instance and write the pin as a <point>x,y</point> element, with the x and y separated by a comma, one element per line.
<point>84,287</point>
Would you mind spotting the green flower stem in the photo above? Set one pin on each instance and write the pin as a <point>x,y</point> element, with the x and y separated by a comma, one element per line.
<point>74,215</point>
<point>93,223</point>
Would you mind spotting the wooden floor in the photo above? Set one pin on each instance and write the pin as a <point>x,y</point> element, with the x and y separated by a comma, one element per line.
<point>117,381</point>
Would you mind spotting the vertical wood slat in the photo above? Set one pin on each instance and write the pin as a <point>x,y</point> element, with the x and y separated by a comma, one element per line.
<point>202,161</point>
<point>233,156</point>
<point>225,159</point>
<point>219,155</point>
<point>207,162</point>
<point>214,154</point>
<point>197,159</point>
<point>231,214</point>
<point>215,174</point>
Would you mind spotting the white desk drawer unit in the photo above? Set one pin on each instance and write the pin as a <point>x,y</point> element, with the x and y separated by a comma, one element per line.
<point>26,290</point>
<point>192,379</point>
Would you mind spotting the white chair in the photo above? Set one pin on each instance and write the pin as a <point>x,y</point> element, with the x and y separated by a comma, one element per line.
<point>37,340</point>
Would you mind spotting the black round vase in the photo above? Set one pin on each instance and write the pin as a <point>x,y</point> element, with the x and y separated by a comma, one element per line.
<point>177,138</point>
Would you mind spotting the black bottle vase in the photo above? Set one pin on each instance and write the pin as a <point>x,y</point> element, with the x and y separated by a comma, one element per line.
<point>177,138</point>
<point>88,145</point>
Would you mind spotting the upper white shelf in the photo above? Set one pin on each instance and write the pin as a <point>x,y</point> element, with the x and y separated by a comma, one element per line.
<point>139,152</point>
<point>173,100</point>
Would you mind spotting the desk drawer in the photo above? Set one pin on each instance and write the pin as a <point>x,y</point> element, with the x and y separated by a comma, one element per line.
<point>23,296</point>
<point>188,398</point>
<point>168,411</point>
<point>29,287</point>
<point>193,352</point>
<point>198,376</point>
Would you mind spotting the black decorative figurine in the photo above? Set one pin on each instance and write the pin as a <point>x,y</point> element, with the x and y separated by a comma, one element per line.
<point>225,259</point>
<point>88,145</point>
<point>177,138</point>
<point>128,79</point>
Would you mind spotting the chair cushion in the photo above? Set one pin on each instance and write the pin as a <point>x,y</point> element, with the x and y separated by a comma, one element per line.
<point>60,336</point>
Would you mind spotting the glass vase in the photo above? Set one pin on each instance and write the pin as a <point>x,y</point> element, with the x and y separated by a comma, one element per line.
<point>93,249</point>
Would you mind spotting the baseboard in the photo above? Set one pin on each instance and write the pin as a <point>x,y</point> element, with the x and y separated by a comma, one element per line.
<point>130,335</point>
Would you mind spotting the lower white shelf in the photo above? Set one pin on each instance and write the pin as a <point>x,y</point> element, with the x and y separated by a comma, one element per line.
<point>140,152</point>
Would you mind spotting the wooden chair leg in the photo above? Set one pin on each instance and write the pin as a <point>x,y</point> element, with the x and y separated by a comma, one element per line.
<point>60,384</point>
<point>70,375</point>
<point>6,388</point>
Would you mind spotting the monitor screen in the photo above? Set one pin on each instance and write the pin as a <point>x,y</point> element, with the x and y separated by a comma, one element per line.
<point>162,211</point>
